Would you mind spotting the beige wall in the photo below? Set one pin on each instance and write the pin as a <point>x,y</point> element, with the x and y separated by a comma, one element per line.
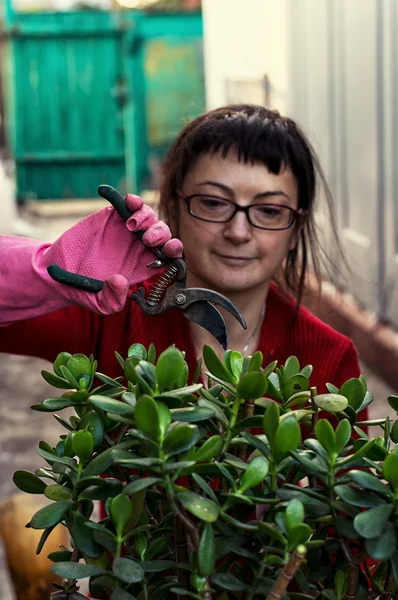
<point>244,41</point>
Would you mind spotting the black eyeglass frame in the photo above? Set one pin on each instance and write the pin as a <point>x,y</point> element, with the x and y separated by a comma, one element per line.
<point>295,214</point>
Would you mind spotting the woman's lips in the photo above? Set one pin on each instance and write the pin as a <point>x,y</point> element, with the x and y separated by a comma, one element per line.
<point>235,260</point>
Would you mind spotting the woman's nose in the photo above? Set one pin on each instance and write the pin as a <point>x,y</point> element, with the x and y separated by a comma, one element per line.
<point>238,229</point>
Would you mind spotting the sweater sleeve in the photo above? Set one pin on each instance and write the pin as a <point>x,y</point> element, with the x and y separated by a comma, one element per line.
<point>74,330</point>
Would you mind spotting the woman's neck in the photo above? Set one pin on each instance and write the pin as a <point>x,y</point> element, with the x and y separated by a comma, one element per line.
<point>251,303</point>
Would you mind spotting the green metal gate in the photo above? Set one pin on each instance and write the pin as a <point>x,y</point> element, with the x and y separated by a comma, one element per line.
<point>97,97</point>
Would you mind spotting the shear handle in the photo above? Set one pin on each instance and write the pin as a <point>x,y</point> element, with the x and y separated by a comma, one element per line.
<point>116,199</point>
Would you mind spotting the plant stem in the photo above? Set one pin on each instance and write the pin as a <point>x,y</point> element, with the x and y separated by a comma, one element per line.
<point>314,419</point>
<point>287,574</point>
<point>248,411</point>
<point>232,421</point>
<point>352,582</point>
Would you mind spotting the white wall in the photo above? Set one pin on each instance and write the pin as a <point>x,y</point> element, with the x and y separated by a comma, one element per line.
<point>244,41</point>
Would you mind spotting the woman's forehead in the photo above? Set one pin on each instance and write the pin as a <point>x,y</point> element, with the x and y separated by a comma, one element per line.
<point>213,170</point>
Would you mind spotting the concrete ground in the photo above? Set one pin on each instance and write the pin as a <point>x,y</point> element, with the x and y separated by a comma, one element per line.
<point>21,385</point>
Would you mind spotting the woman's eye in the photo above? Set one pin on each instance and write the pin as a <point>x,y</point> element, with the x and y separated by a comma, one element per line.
<point>269,211</point>
<point>211,203</point>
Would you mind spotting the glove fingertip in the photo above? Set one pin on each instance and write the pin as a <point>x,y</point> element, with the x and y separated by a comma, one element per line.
<point>114,295</point>
<point>133,202</point>
<point>173,248</point>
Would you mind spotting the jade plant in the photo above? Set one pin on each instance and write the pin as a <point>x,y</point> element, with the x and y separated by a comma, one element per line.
<point>253,486</point>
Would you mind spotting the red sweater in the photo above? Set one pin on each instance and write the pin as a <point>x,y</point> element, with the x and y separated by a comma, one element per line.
<point>77,330</point>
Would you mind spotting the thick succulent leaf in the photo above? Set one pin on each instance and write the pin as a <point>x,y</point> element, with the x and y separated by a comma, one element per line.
<point>51,514</point>
<point>354,391</point>
<point>271,423</point>
<point>294,385</point>
<point>72,570</point>
<point>358,497</point>
<point>390,470</point>
<point>229,582</point>
<point>326,436</point>
<point>287,437</point>
<point>128,570</point>
<point>383,547</point>
<point>332,403</point>
<point>368,481</point>
<point>28,482</point>
<point>343,434</point>
<point>202,508</point>
<point>371,523</point>
<point>83,536</point>
<point>215,365</point>
<point>55,381</point>
<point>252,385</point>
<point>121,512</point>
<point>111,405</point>
<point>93,423</point>
<point>209,450</point>
<point>294,513</point>
<point>192,414</point>
<point>255,474</point>
<point>168,368</point>
<point>58,492</point>
<point>291,367</point>
<point>180,439</point>
<point>140,484</point>
<point>147,417</point>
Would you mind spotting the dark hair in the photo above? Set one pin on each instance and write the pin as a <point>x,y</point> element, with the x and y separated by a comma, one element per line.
<point>258,135</point>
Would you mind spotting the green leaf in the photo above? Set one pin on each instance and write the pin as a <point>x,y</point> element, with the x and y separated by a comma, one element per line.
<point>29,483</point>
<point>102,490</point>
<point>354,391</point>
<point>83,444</point>
<point>255,474</point>
<point>332,403</point>
<point>209,450</point>
<point>100,464</point>
<point>168,368</point>
<point>121,512</point>
<point>55,381</point>
<point>252,385</point>
<point>58,492</point>
<point>207,551</point>
<point>50,515</point>
<point>147,417</point>
<point>307,371</point>
<point>271,423</point>
<point>291,367</point>
<point>294,385</point>
<point>287,437</point>
<point>140,484</point>
<point>298,534</point>
<point>192,414</point>
<point>137,351</point>
<point>155,566</point>
<point>151,354</point>
<point>111,405</point>
<point>79,365</point>
<point>383,547</point>
<point>202,508</point>
<point>393,402</point>
<point>367,480</point>
<point>140,545</point>
<point>62,359</point>
<point>390,470</point>
<point>236,364</point>
<point>255,362</point>
<point>204,486</point>
<point>215,366</point>
<point>294,513</point>
<point>72,570</point>
<point>229,582</point>
<point>83,536</point>
<point>218,412</point>
<point>343,435</point>
<point>93,423</point>
<point>52,404</point>
<point>128,570</point>
<point>394,432</point>
<point>357,497</point>
<point>271,531</point>
<point>180,439</point>
<point>371,523</point>
<point>326,436</point>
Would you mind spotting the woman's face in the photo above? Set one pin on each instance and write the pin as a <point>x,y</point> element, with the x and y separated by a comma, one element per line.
<point>235,256</point>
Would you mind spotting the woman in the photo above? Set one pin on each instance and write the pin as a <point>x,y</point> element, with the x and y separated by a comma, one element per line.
<point>239,191</point>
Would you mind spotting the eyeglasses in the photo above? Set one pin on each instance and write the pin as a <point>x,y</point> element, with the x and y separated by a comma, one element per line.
<point>220,210</point>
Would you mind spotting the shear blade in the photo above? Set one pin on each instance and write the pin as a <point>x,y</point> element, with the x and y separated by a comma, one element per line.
<point>203,294</point>
<point>207,316</point>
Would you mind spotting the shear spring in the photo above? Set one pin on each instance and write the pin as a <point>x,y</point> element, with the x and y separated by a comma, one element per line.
<point>156,294</point>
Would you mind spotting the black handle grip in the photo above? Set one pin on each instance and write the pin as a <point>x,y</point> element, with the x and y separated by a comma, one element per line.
<point>87,284</point>
<point>116,199</point>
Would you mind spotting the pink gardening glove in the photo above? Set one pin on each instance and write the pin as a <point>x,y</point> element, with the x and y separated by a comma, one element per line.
<point>101,246</point>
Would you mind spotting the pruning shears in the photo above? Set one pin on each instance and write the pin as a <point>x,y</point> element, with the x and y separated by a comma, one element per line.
<point>169,290</point>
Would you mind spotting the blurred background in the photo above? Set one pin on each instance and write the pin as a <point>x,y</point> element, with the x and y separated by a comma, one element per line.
<point>94,91</point>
